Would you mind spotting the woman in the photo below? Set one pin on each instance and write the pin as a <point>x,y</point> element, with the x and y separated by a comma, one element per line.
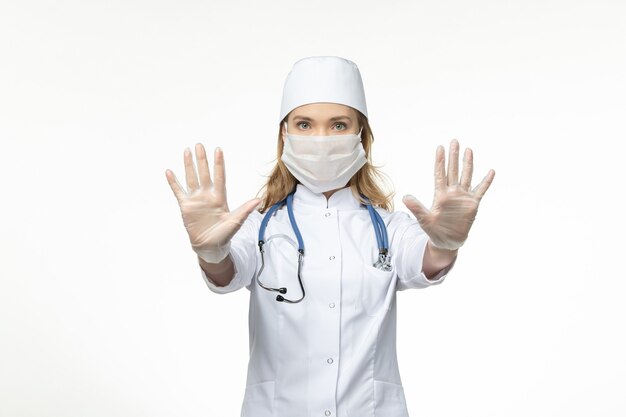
<point>324,254</point>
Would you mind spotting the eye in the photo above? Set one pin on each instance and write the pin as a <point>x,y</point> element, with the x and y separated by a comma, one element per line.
<point>301,123</point>
<point>341,124</point>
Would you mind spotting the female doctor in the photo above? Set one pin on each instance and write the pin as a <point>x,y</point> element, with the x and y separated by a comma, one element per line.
<point>324,255</point>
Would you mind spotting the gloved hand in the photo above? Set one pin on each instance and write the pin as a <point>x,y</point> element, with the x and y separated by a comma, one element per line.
<point>208,221</point>
<point>455,204</point>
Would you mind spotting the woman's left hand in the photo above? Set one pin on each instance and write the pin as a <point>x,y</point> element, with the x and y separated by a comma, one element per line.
<point>455,204</point>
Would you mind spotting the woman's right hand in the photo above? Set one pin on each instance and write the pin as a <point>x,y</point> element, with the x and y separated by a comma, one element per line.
<point>204,209</point>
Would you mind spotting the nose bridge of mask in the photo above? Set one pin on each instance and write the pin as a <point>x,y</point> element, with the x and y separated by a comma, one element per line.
<point>322,146</point>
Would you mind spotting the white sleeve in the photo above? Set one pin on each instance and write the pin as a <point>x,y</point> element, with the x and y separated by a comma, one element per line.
<point>407,244</point>
<point>243,252</point>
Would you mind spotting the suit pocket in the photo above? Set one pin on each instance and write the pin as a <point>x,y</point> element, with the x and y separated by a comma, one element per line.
<point>376,289</point>
<point>389,400</point>
<point>258,400</point>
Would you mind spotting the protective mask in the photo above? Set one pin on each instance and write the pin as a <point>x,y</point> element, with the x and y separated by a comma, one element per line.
<point>323,163</point>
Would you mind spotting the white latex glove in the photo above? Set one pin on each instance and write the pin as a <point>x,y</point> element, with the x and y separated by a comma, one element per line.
<point>455,204</point>
<point>208,221</point>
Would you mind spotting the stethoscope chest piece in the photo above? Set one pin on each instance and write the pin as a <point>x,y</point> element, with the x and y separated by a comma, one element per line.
<point>383,263</point>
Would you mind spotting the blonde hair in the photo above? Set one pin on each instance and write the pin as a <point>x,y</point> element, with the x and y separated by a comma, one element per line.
<point>369,180</point>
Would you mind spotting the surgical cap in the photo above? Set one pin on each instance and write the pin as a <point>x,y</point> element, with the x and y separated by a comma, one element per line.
<point>323,79</point>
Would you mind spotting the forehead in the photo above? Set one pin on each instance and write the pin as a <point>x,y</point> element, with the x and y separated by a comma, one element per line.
<point>323,112</point>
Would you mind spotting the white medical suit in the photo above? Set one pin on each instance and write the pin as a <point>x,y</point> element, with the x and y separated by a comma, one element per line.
<point>333,353</point>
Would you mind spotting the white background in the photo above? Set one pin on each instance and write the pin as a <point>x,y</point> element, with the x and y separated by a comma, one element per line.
<point>103,311</point>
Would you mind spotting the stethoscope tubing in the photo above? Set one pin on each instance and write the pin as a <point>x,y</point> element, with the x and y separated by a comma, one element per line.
<point>382,240</point>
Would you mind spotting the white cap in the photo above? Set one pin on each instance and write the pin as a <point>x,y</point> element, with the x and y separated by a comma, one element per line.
<point>323,79</point>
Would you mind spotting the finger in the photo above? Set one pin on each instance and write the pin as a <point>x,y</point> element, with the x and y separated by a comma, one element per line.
<point>220,172</point>
<point>440,171</point>
<point>190,171</point>
<point>241,213</point>
<point>453,163</point>
<point>422,214</point>
<point>482,188</point>
<point>203,166</point>
<point>468,168</point>
<point>179,192</point>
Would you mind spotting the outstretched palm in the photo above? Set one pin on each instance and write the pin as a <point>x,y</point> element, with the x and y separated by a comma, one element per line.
<point>455,204</point>
<point>204,207</point>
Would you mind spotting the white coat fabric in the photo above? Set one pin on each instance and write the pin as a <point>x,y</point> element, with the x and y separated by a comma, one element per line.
<point>333,353</point>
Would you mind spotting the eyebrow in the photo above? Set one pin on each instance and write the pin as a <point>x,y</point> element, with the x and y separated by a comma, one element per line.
<point>332,118</point>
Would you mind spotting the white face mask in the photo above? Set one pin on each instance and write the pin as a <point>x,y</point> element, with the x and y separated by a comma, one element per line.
<point>323,163</point>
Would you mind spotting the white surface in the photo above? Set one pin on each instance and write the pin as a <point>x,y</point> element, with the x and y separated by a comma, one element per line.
<point>102,309</point>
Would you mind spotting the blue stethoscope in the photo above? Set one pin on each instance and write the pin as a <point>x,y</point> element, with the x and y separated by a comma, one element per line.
<point>380,229</point>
